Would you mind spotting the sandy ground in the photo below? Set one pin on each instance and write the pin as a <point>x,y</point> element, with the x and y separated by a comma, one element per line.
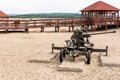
<point>17,48</point>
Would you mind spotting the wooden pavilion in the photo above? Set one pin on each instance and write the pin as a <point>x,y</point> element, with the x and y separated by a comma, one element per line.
<point>101,14</point>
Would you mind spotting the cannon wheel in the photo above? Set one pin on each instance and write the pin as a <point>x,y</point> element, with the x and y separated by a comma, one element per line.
<point>62,55</point>
<point>88,56</point>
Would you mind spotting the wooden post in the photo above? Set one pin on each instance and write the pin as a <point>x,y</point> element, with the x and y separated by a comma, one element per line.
<point>91,27</point>
<point>94,22</point>
<point>7,23</point>
<point>85,15</point>
<point>57,26</point>
<point>58,29</point>
<point>6,29</point>
<point>42,29</point>
<point>26,30</point>
<point>94,27</point>
<point>98,26</point>
<point>116,22</point>
<point>26,27</point>
<point>55,29</point>
<point>72,28</point>
<point>105,24</point>
<point>106,27</point>
<point>69,29</point>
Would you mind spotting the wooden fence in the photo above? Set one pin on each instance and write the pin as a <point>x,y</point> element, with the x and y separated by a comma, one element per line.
<point>57,23</point>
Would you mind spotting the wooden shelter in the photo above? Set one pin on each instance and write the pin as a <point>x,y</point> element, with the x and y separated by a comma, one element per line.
<point>101,13</point>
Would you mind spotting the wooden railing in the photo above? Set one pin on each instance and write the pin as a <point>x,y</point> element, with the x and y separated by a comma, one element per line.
<point>104,21</point>
<point>63,22</point>
<point>57,22</point>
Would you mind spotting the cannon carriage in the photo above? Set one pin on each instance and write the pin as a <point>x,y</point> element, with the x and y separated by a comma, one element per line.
<point>78,45</point>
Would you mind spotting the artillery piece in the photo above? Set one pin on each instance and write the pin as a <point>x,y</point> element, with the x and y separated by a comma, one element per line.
<point>79,44</point>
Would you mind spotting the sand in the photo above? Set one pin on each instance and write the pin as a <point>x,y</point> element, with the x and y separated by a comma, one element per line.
<point>17,48</point>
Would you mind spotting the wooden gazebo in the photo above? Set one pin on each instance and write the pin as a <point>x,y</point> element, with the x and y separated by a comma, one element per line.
<point>101,13</point>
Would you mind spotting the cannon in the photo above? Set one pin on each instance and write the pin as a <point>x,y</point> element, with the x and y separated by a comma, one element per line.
<point>79,44</point>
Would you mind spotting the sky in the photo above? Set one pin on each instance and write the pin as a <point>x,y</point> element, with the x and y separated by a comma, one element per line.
<point>48,6</point>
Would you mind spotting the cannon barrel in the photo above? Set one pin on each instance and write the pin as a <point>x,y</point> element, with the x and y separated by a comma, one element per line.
<point>103,33</point>
<point>89,35</point>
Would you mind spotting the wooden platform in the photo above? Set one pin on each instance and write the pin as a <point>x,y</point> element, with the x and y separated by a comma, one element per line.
<point>110,61</point>
<point>71,66</point>
<point>46,58</point>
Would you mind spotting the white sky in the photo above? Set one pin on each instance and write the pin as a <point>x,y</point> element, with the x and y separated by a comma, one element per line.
<point>48,6</point>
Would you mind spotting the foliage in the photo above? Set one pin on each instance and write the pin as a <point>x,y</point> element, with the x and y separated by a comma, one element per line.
<point>47,15</point>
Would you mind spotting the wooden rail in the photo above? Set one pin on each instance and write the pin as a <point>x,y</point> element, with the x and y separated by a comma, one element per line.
<point>57,23</point>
